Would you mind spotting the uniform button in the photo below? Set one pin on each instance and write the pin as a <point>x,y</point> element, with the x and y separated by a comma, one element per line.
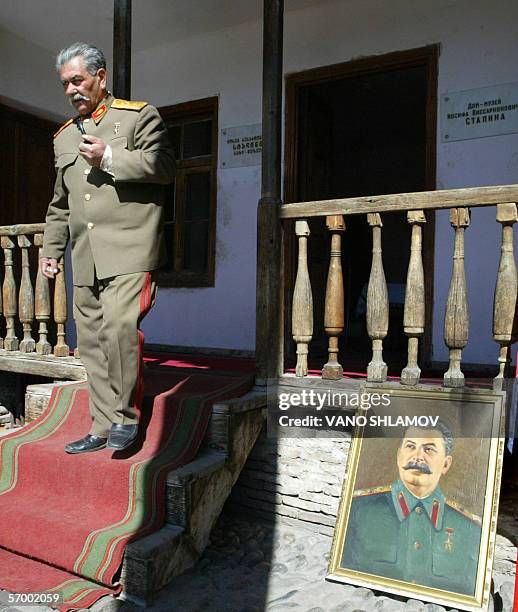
<point>87,197</point>
<point>417,545</point>
<point>418,510</point>
<point>90,225</point>
<point>86,171</point>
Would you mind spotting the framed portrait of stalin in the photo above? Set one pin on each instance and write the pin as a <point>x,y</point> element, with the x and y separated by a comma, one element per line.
<point>419,503</point>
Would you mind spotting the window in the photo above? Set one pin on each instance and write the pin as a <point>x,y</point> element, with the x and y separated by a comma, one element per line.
<point>190,212</point>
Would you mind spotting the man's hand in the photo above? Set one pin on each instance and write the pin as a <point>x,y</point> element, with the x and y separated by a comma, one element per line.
<point>92,150</point>
<point>49,266</point>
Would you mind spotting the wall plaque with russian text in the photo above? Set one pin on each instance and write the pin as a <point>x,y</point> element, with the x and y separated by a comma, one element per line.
<point>479,113</point>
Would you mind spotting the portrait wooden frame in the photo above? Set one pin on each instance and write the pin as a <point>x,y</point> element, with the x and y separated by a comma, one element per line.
<point>448,399</point>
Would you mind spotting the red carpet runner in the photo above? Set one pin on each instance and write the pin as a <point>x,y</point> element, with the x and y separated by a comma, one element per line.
<point>66,519</point>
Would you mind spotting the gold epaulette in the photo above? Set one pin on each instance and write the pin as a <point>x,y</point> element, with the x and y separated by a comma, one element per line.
<point>371,491</point>
<point>464,512</point>
<point>128,104</point>
<point>63,127</point>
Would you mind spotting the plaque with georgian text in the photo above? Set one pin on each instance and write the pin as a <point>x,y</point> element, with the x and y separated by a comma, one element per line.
<point>241,146</point>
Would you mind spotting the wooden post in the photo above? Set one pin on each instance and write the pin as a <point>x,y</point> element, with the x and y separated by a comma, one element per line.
<point>334,304</point>
<point>1,313</point>
<point>9,295</point>
<point>456,320</point>
<point>26,298</point>
<point>60,311</point>
<point>504,307</point>
<point>42,304</point>
<point>377,304</point>
<point>302,311</point>
<point>414,316</point>
<point>122,49</point>
<point>269,305</point>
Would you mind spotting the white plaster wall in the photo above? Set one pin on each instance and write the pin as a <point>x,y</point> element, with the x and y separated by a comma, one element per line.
<point>479,47</point>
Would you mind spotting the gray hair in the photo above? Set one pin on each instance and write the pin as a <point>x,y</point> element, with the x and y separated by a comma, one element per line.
<point>93,57</point>
<point>445,431</point>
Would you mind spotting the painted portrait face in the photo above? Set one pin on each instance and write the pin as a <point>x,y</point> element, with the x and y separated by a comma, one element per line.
<point>83,90</point>
<point>422,461</point>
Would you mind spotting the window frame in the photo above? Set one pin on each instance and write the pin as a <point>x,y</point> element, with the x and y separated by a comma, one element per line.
<point>179,114</point>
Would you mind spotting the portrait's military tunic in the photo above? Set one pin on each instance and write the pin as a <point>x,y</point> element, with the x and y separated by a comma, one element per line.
<point>114,222</point>
<point>431,542</point>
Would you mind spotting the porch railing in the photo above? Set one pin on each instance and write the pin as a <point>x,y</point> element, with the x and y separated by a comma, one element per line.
<point>456,323</point>
<point>29,303</point>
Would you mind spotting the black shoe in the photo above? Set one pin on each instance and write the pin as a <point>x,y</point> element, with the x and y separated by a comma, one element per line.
<point>122,436</point>
<point>86,445</point>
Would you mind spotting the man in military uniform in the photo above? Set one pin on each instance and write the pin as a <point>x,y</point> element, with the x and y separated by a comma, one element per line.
<point>112,162</point>
<point>409,531</point>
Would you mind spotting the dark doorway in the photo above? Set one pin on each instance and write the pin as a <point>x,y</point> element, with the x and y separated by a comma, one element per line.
<point>26,166</point>
<point>357,132</point>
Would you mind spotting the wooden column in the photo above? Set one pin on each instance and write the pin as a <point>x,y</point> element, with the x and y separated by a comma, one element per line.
<point>377,304</point>
<point>456,321</point>
<point>122,49</point>
<point>302,311</point>
<point>504,307</point>
<point>42,304</point>
<point>334,304</point>
<point>414,316</point>
<point>269,305</point>
<point>60,311</point>
<point>26,298</point>
<point>9,295</point>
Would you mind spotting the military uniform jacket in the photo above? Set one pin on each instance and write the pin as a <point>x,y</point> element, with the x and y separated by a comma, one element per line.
<point>431,542</point>
<point>114,222</point>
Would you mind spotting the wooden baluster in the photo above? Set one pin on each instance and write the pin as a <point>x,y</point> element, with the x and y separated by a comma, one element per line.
<point>456,320</point>
<point>377,304</point>
<point>1,313</point>
<point>504,306</point>
<point>26,298</point>
<point>42,299</point>
<point>60,311</point>
<point>302,314</point>
<point>334,304</point>
<point>9,295</point>
<point>414,316</point>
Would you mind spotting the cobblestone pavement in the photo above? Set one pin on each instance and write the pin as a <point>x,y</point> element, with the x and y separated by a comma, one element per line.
<point>250,568</point>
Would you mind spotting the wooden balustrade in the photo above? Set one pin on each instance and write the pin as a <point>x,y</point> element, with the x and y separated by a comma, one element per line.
<point>456,320</point>
<point>302,312</point>
<point>28,304</point>
<point>42,304</point>
<point>377,304</point>
<point>414,313</point>
<point>334,302</point>
<point>504,309</point>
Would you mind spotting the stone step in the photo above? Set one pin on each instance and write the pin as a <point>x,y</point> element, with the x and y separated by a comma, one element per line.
<point>195,496</point>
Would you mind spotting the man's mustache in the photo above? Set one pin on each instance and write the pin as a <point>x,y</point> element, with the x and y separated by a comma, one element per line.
<point>417,465</point>
<point>77,97</point>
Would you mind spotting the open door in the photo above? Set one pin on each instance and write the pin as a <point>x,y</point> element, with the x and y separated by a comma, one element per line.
<point>362,128</point>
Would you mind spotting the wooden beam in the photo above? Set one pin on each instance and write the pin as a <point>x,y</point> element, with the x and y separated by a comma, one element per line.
<point>122,49</point>
<point>22,228</point>
<point>397,202</point>
<point>269,340</point>
<point>42,365</point>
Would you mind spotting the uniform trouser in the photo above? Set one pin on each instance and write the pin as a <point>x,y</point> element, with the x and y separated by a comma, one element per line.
<point>107,316</point>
